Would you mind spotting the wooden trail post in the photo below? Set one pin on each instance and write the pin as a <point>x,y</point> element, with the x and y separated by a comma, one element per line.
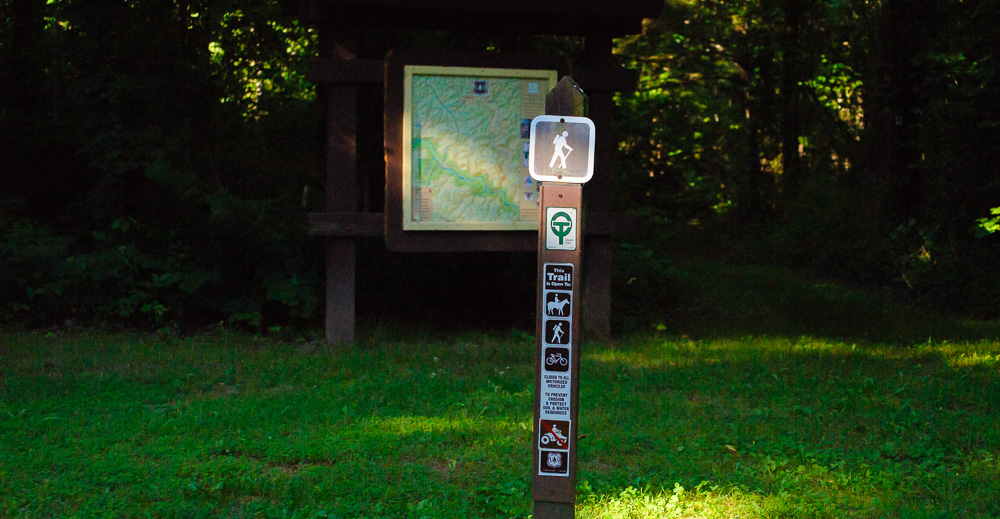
<point>561,157</point>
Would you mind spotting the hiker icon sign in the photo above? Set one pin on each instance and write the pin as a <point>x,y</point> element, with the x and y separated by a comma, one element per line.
<point>557,331</point>
<point>561,149</point>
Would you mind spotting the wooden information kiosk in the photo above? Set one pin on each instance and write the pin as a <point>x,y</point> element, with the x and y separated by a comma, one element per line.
<point>353,80</point>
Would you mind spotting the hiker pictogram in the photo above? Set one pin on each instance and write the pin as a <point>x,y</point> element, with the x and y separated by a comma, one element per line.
<point>562,151</point>
<point>567,143</point>
<point>557,331</point>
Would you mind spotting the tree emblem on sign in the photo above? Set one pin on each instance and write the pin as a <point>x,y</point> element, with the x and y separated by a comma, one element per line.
<point>561,225</point>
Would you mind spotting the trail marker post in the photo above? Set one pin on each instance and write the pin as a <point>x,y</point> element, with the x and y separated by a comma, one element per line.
<point>562,158</point>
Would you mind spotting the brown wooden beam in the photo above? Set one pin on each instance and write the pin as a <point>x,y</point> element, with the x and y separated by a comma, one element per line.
<point>597,255</point>
<point>346,224</point>
<point>373,224</point>
<point>606,79</point>
<point>346,71</point>
<point>341,190</point>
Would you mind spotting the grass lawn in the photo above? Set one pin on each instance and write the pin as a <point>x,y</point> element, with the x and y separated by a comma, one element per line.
<point>743,422</point>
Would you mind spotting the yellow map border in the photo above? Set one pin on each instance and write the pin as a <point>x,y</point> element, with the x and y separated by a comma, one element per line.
<point>409,224</point>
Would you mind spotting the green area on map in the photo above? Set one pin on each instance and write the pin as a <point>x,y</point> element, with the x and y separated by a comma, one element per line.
<point>468,148</point>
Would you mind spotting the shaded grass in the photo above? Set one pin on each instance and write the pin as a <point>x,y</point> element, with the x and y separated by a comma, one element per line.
<point>683,282</point>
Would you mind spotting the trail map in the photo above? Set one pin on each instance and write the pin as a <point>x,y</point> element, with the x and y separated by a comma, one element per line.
<point>465,154</point>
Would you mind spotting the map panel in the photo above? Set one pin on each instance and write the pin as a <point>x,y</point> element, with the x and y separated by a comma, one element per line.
<point>465,147</point>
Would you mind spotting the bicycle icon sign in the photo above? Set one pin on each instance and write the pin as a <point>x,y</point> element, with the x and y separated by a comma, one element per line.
<point>557,359</point>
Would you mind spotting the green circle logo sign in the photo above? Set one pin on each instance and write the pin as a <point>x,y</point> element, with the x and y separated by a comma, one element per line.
<point>561,225</point>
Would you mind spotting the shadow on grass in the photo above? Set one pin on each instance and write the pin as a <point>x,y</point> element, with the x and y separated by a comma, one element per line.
<point>701,281</point>
<point>704,298</point>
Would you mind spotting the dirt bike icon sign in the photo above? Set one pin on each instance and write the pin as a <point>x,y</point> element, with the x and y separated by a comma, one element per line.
<point>555,435</point>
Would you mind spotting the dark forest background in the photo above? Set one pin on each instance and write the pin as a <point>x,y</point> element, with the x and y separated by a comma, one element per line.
<point>158,158</point>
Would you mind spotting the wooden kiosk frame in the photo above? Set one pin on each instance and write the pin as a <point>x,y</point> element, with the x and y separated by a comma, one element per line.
<point>344,75</point>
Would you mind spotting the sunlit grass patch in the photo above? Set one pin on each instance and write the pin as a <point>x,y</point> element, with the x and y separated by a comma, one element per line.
<point>678,502</point>
<point>981,354</point>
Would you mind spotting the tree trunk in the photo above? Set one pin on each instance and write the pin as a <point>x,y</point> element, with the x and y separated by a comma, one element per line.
<point>891,113</point>
<point>791,75</point>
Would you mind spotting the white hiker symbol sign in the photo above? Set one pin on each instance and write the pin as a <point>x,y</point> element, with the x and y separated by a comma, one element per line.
<point>562,150</point>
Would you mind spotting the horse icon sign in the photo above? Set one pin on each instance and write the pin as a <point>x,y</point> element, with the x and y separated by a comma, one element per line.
<point>561,149</point>
<point>557,304</point>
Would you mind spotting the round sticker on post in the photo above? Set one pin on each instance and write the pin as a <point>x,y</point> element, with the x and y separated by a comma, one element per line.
<point>561,149</point>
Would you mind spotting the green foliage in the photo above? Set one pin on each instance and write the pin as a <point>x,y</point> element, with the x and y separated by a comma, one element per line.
<point>51,277</point>
<point>726,89</point>
<point>856,138</point>
<point>682,128</point>
<point>989,225</point>
<point>158,164</point>
<point>156,154</point>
